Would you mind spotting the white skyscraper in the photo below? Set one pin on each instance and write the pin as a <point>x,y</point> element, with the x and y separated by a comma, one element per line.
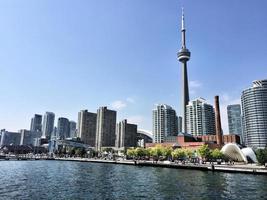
<point>254,109</point>
<point>164,122</point>
<point>200,118</point>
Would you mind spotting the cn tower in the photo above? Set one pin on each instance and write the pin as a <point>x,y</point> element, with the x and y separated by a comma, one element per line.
<point>183,56</point>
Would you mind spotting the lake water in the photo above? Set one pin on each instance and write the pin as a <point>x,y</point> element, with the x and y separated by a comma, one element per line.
<point>76,180</point>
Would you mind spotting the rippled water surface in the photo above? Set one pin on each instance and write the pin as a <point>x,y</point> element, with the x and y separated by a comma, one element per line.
<point>75,180</point>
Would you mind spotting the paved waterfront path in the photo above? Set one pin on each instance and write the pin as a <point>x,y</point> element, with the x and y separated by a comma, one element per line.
<point>237,168</point>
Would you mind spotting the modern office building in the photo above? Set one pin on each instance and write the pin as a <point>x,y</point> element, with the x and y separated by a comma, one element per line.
<point>63,128</point>
<point>254,110</point>
<point>234,119</point>
<point>87,127</point>
<point>126,135</point>
<point>105,128</point>
<point>164,122</point>
<point>200,118</point>
<point>73,130</point>
<point>183,57</point>
<point>48,124</point>
<point>8,138</point>
<point>26,137</point>
<point>36,123</point>
<point>180,124</point>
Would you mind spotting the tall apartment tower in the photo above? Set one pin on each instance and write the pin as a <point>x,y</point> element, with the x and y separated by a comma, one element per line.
<point>126,134</point>
<point>164,122</point>
<point>183,57</point>
<point>200,118</point>
<point>36,123</point>
<point>87,127</point>
<point>180,124</point>
<point>73,129</point>
<point>254,109</point>
<point>234,119</point>
<point>63,128</point>
<point>105,128</point>
<point>48,124</point>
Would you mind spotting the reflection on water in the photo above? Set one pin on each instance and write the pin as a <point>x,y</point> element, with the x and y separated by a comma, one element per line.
<point>74,180</point>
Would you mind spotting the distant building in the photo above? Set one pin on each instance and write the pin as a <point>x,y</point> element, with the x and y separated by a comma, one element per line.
<point>105,129</point>
<point>180,124</point>
<point>73,130</point>
<point>254,109</point>
<point>48,124</point>
<point>8,138</point>
<point>87,127</point>
<point>200,118</point>
<point>126,134</point>
<point>144,137</point>
<point>164,122</point>
<point>234,119</point>
<point>63,128</point>
<point>36,123</point>
<point>26,137</point>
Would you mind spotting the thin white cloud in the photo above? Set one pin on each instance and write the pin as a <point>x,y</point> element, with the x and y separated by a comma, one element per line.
<point>194,86</point>
<point>130,100</point>
<point>118,105</point>
<point>136,119</point>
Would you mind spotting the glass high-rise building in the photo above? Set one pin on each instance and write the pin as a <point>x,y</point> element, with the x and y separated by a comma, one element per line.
<point>48,124</point>
<point>73,131</point>
<point>63,128</point>
<point>234,119</point>
<point>165,122</point>
<point>36,123</point>
<point>254,110</point>
<point>200,118</point>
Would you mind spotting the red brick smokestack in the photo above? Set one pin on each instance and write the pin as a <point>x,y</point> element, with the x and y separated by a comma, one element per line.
<point>218,122</point>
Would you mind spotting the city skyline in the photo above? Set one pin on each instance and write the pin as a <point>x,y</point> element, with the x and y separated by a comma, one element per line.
<point>62,68</point>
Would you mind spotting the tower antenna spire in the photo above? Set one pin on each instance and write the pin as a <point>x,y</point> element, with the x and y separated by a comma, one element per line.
<point>183,29</point>
<point>183,56</point>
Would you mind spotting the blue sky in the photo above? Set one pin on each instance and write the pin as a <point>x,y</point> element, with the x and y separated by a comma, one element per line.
<point>64,56</point>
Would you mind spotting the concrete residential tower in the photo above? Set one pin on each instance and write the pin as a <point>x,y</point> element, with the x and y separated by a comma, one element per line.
<point>200,118</point>
<point>126,134</point>
<point>87,127</point>
<point>105,128</point>
<point>183,57</point>
<point>164,122</point>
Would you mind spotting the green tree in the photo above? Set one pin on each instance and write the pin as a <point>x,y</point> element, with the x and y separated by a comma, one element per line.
<point>83,152</point>
<point>261,155</point>
<point>167,152</point>
<point>204,151</point>
<point>130,152</point>
<point>78,152</point>
<point>178,154</point>
<point>189,153</point>
<point>139,152</point>
<point>216,154</point>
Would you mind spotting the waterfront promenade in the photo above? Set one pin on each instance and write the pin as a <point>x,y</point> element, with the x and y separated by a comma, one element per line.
<point>237,168</point>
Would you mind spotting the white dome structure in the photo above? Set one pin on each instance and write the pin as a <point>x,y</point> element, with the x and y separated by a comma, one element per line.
<point>249,153</point>
<point>233,152</point>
